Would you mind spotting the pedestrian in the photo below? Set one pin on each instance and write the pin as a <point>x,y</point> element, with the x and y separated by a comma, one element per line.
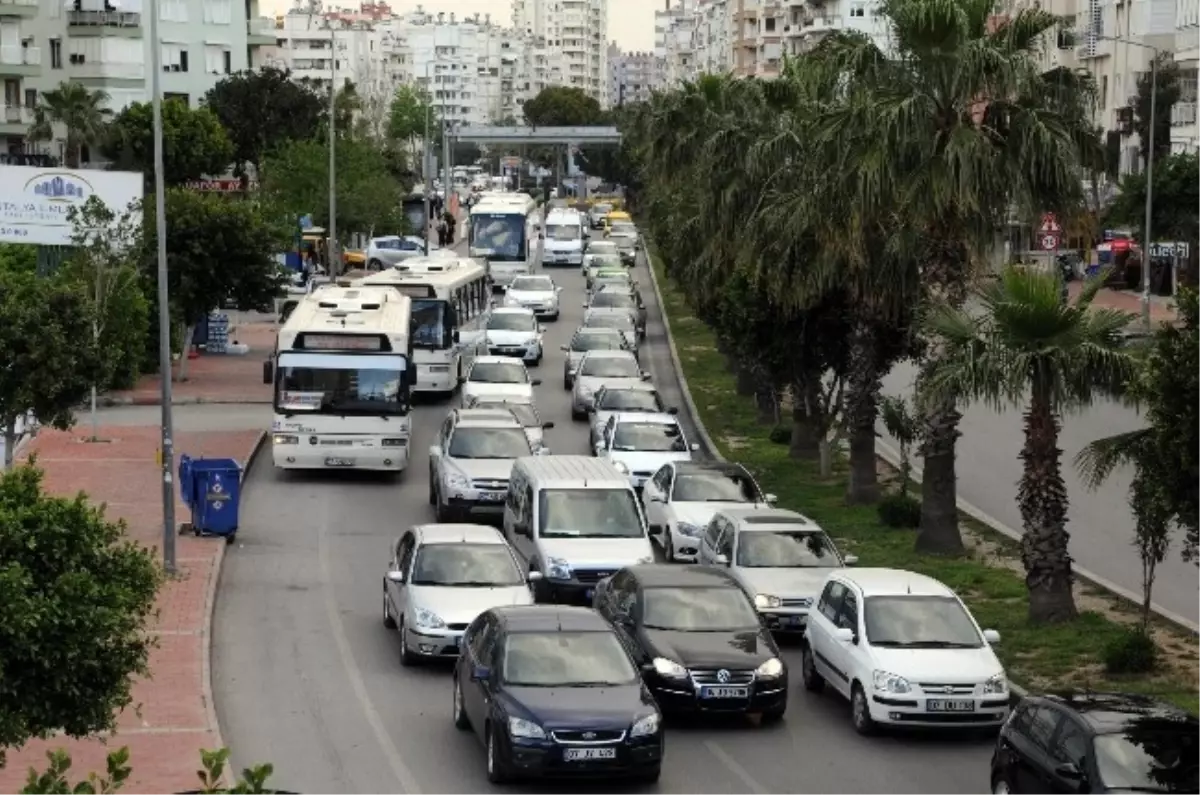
<point>449,220</point>
<point>442,231</point>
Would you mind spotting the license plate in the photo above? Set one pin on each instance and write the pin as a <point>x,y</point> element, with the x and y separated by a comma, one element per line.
<point>339,462</point>
<point>949,705</point>
<point>491,496</point>
<point>725,692</point>
<point>586,754</point>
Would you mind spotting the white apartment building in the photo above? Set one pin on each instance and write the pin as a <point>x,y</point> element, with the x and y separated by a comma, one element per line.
<point>1184,134</point>
<point>103,45</point>
<point>674,28</point>
<point>307,42</point>
<point>631,76</point>
<point>569,44</point>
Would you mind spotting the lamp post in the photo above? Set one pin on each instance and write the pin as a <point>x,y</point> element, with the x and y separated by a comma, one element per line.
<point>426,168</point>
<point>334,261</point>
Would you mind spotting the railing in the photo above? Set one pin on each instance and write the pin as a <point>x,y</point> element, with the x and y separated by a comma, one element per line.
<point>111,19</point>
<point>262,27</point>
<point>18,114</point>
<point>102,69</point>
<point>29,3</point>
<point>823,23</point>
<point>1183,114</point>
<point>19,55</point>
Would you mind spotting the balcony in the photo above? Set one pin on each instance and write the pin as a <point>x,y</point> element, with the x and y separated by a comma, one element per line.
<point>18,8</point>
<point>261,33</point>
<point>104,23</point>
<point>102,70</point>
<point>18,60</point>
<point>16,120</point>
<point>820,25</point>
<point>1183,114</point>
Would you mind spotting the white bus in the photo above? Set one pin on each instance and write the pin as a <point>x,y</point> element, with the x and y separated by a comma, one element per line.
<point>342,378</point>
<point>450,298</point>
<point>503,235</point>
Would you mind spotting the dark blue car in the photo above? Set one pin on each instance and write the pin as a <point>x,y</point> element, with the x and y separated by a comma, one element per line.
<point>551,691</point>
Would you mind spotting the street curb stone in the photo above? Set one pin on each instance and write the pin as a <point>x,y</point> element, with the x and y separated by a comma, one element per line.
<point>110,401</point>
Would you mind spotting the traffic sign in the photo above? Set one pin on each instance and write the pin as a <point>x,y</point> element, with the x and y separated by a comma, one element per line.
<point>1049,224</point>
<point>1049,242</point>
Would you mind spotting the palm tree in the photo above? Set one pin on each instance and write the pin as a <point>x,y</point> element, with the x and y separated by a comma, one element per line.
<point>81,111</point>
<point>1025,347</point>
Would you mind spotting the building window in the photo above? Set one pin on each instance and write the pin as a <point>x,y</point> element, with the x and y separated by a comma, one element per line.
<point>770,22</point>
<point>174,57</point>
<point>56,54</point>
<point>216,60</point>
<point>858,10</point>
<point>217,12</point>
<point>173,10</point>
<point>31,98</point>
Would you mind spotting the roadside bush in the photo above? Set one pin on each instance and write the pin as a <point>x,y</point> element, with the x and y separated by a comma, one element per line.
<point>900,510</point>
<point>781,435</point>
<point>1134,652</point>
<point>53,781</point>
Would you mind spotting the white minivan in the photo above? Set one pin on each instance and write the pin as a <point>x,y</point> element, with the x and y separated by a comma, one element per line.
<point>576,520</point>
<point>564,238</point>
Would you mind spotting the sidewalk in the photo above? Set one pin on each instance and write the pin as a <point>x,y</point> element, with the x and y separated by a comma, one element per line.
<point>1162,308</point>
<point>177,717</point>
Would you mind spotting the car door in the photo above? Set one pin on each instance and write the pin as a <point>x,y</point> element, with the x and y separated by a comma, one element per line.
<point>401,562</point>
<point>819,634</point>
<point>710,541</point>
<point>1033,766</point>
<point>851,658</point>
<point>476,693</point>
<point>654,496</point>
<point>439,450</point>
<point>1069,747</point>
<point>522,538</point>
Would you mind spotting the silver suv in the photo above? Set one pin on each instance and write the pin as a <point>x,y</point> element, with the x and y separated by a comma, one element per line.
<point>589,339</point>
<point>470,462</point>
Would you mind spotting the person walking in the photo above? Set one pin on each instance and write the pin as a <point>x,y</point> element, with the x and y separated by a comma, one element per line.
<point>450,221</point>
<point>442,231</point>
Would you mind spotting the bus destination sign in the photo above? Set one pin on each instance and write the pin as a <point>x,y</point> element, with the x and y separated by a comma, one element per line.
<point>341,342</point>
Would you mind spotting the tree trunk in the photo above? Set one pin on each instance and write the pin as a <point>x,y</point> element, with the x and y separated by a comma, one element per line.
<point>1042,498</point>
<point>188,332</point>
<point>766,401</point>
<point>862,400</point>
<point>806,421</point>
<point>939,533</point>
<point>10,443</point>
<point>745,381</point>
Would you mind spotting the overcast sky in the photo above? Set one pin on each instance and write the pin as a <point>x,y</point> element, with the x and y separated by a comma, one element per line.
<point>630,22</point>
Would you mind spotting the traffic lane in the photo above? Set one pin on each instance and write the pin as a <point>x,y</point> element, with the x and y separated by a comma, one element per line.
<point>1101,522</point>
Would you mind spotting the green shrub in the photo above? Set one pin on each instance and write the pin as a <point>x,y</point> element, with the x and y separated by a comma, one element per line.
<point>1134,652</point>
<point>900,510</point>
<point>781,434</point>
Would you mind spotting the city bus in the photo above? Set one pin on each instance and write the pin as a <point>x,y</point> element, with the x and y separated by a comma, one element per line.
<point>342,379</point>
<point>503,235</point>
<point>450,298</point>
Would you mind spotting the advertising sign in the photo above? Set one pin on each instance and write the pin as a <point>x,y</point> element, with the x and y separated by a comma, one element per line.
<point>35,202</point>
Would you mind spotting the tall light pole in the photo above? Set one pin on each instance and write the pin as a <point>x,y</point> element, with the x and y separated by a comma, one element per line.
<point>164,310</point>
<point>427,166</point>
<point>334,262</point>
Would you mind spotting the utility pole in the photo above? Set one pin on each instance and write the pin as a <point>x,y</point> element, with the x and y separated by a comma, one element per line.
<point>427,174</point>
<point>335,264</point>
<point>1147,242</point>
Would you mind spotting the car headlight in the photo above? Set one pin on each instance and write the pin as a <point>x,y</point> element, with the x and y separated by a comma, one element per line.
<point>624,470</point>
<point>689,530</point>
<point>669,668</point>
<point>891,683</point>
<point>771,669</point>
<point>527,729</point>
<point>645,726</point>
<point>427,619</point>
<point>457,480</point>
<point>996,686</point>
<point>765,600</point>
<point>286,438</point>
<point>558,569</point>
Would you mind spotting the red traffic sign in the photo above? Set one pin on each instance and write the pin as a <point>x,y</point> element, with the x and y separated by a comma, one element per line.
<point>1049,224</point>
<point>1049,242</point>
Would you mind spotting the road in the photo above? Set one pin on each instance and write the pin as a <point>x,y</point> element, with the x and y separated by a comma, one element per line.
<point>1100,522</point>
<point>307,678</point>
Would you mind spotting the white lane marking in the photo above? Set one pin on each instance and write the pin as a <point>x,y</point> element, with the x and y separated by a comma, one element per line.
<point>404,775</point>
<point>732,764</point>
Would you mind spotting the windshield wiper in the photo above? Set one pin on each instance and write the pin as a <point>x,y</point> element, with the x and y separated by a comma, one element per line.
<point>481,584</point>
<point>925,644</point>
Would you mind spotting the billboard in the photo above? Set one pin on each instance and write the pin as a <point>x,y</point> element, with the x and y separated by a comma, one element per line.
<point>35,202</point>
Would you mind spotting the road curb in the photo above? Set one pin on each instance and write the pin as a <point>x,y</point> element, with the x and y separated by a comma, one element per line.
<point>892,456</point>
<point>210,609</point>
<point>111,401</point>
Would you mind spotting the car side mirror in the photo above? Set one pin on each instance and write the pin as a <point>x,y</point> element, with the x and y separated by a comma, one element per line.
<point>542,450</point>
<point>535,576</point>
<point>694,447</point>
<point>558,289</point>
<point>454,337</point>
<point>541,329</point>
<point>564,347</point>
<point>844,635</point>
<point>657,498</point>
<point>395,576</point>
<point>673,410</point>
<point>770,499</point>
<point>1068,770</point>
<point>268,372</point>
<point>547,425</point>
<point>645,376</point>
<point>536,382</point>
<point>721,560</point>
<point>851,560</point>
<point>599,448</point>
<point>584,304</point>
<point>991,636</point>
<point>480,673</point>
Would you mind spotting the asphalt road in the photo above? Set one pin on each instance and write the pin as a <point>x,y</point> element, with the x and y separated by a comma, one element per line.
<point>1100,522</point>
<point>307,678</point>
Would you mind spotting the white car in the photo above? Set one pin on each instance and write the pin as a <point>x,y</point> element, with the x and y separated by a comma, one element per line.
<point>514,331</point>
<point>638,444</point>
<point>384,252</point>
<point>497,376</point>
<point>536,293</point>
<point>602,368</point>
<point>681,498</point>
<point>598,249</point>
<point>780,557</point>
<point>611,400</point>
<point>904,649</point>
<point>526,413</point>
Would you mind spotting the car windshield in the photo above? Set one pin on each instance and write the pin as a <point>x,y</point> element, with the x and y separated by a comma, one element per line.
<point>629,400</point>
<point>599,247</point>
<point>606,299</point>
<point>589,513</point>
<point>786,549</point>
<point>930,622</point>
<point>1151,755</point>
<point>524,413</point>
<point>610,367</point>
<point>532,284</point>
<point>602,209</point>
<point>562,232</point>
<point>698,609</point>
<point>512,321</point>
<point>604,259</point>
<point>614,283</point>
<point>465,565</point>
<point>489,443</point>
<point>566,659</point>
<point>714,487</point>
<point>609,320</point>
<point>499,373</point>
<point>597,342</point>
<point>652,437</point>
<point>622,228</point>
<point>502,236</point>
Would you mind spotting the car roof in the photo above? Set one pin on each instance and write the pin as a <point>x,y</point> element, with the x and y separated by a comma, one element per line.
<point>609,354</point>
<point>721,467</point>
<point>490,359</point>
<point>1108,713</point>
<point>665,575</point>
<point>498,413</point>
<point>597,330</point>
<point>622,386</point>
<point>541,277</point>
<point>457,533</point>
<point>646,418</point>
<point>750,519</point>
<point>512,310</point>
<point>550,618</point>
<point>894,582</point>
<point>486,418</point>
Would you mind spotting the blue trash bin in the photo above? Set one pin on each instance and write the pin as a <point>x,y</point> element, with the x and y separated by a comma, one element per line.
<point>211,488</point>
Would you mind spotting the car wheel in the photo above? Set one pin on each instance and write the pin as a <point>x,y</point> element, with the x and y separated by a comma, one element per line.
<point>497,767</point>
<point>668,545</point>
<point>407,658</point>
<point>442,512</point>
<point>808,671</point>
<point>541,593</point>
<point>388,620</point>
<point>566,383</point>
<point>1000,787</point>
<point>860,711</point>
<point>577,415</point>
<point>461,721</point>
<point>374,265</point>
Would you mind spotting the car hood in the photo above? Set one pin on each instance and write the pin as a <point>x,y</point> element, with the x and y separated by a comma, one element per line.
<point>598,552</point>
<point>600,419</point>
<point>786,583</point>
<point>536,436</point>
<point>463,605</point>
<point>574,708</point>
<point>564,245</point>
<point>477,388</point>
<point>484,468</point>
<point>743,650</point>
<point>593,383</point>
<point>501,337</point>
<point>532,296</point>
<point>700,513</point>
<point>944,666</point>
<point>641,461</point>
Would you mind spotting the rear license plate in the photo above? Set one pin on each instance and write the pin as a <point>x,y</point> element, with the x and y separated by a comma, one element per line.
<point>339,462</point>
<point>725,692</point>
<point>586,754</point>
<point>949,705</point>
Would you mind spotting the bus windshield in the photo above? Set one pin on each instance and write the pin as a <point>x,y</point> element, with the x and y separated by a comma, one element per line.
<point>431,324</point>
<point>341,383</point>
<point>499,237</point>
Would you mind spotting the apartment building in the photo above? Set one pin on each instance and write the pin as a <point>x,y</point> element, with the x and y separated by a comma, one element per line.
<point>103,44</point>
<point>1184,134</point>
<point>568,39</point>
<point>674,42</point>
<point>631,76</point>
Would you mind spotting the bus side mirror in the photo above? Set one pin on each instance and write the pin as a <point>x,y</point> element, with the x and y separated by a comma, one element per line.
<point>454,336</point>
<point>268,372</point>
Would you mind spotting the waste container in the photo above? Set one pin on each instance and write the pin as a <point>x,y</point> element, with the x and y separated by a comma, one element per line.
<point>211,488</point>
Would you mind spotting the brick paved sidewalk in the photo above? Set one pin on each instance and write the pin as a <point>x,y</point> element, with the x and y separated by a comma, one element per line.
<point>1161,309</point>
<point>176,717</point>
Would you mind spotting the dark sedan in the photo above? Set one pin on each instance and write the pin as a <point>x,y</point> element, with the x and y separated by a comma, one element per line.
<point>551,692</point>
<point>697,638</point>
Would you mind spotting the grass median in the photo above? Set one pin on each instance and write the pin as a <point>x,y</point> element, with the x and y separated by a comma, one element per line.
<point>988,578</point>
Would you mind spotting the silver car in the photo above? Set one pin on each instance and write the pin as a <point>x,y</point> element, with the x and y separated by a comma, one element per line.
<point>470,462</point>
<point>440,578</point>
<point>622,320</point>
<point>598,250</point>
<point>589,339</point>
<point>620,298</point>
<point>602,368</point>
<point>625,398</point>
<point>526,414</point>
<point>383,252</point>
<point>536,293</point>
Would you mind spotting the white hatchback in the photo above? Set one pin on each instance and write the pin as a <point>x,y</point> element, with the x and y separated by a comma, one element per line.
<point>904,649</point>
<point>497,376</point>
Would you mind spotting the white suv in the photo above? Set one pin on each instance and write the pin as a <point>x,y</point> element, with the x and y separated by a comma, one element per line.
<point>905,650</point>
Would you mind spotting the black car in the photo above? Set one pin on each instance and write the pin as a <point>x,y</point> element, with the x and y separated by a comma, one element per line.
<point>697,639</point>
<point>551,691</point>
<point>1096,742</point>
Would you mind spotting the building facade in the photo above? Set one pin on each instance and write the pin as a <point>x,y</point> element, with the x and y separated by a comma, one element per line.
<point>631,76</point>
<point>568,42</point>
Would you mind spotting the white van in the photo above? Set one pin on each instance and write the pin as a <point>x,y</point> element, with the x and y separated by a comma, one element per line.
<point>576,520</point>
<point>564,238</point>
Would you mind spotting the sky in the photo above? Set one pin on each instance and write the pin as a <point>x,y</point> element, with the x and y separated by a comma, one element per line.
<point>630,22</point>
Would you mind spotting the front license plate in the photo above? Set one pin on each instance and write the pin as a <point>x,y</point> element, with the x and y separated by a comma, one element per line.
<point>725,692</point>
<point>949,705</point>
<point>339,462</point>
<point>491,496</point>
<point>587,754</point>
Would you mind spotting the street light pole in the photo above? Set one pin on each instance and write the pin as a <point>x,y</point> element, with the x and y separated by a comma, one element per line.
<point>334,262</point>
<point>425,170</point>
<point>164,310</point>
